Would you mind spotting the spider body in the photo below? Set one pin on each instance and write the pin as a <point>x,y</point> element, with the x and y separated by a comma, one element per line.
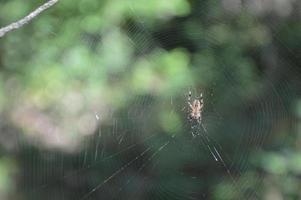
<point>196,108</point>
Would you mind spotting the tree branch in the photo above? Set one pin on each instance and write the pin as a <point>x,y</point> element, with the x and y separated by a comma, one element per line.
<point>26,19</point>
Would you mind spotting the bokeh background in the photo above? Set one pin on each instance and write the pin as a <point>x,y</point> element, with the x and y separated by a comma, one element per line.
<point>93,100</point>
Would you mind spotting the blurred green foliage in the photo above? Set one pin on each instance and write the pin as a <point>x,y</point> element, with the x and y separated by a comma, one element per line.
<point>86,80</point>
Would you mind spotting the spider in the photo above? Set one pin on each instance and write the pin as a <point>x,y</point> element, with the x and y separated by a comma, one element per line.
<point>196,108</point>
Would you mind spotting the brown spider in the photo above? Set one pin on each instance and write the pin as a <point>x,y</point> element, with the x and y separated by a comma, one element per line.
<point>196,108</point>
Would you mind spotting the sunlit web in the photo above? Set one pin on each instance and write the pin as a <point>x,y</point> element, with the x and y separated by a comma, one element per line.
<point>132,160</point>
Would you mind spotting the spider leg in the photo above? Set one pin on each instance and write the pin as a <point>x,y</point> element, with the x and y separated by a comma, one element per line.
<point>189,96</point>
<point>199,119</point>
<point>200,97</point>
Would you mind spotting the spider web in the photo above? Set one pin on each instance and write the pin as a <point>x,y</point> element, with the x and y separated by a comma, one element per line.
<point>197,129</point>
<point>128,161</point>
